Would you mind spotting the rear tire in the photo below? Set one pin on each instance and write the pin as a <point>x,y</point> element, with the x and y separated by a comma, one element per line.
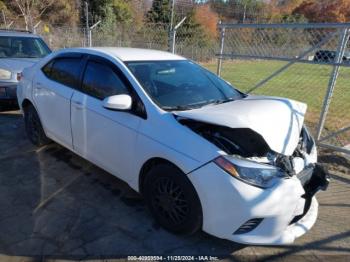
<point>33,127</point>
<point>172,199</point>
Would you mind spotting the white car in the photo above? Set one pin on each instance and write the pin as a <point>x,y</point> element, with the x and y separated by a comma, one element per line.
<point>203,154</point>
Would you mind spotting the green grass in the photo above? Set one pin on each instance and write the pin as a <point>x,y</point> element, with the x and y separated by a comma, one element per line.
<point>302,82</point>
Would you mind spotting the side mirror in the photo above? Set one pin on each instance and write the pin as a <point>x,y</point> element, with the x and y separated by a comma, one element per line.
<point>117,102</point>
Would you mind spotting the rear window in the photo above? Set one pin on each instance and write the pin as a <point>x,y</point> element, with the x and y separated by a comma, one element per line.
<point>22,47</point>
<point>64,71</point>
<point>47,68</point>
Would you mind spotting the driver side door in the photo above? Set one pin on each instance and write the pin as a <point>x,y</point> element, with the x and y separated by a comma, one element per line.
<point>106,137</point>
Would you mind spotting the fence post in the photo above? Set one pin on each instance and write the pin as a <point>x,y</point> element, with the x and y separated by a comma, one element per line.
<point>90,37</point>
<point>343,39</point>
<point>83,41</point>
<point>90,32</point>
<point>173,41</point>
<point>173,34</point>
<point>86,5</point>
<point>222,39</point>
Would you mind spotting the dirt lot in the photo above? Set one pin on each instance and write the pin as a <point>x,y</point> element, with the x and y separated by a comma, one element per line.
<point>55,204</point>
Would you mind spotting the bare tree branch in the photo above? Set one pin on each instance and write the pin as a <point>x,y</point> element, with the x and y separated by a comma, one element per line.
<point>44,9</point>
<point>32,10</point>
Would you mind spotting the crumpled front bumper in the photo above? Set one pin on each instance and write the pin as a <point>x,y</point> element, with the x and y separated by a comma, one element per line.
<point>284,212</point>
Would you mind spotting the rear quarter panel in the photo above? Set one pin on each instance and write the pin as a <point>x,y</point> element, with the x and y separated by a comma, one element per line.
<point>24,88</point>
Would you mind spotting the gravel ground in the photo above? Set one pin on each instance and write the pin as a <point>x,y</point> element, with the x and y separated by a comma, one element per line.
<point>54,204</point>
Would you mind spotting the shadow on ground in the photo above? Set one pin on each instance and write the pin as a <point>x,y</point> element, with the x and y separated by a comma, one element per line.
<point>54,203</point>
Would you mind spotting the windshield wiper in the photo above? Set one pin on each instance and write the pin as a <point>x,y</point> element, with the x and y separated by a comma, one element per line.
<point>219,101</point>
<point>197,105</point>
<point>176,108</point>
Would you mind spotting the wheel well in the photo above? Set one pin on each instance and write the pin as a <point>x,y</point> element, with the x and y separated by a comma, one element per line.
<point>26,103</point>
<point>147,166</point>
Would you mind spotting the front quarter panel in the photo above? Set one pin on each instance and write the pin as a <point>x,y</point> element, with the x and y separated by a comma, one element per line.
<point>162,136</point>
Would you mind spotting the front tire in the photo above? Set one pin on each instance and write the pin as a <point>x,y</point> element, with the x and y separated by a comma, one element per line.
<point>33,127</point>
<point>172,199</point>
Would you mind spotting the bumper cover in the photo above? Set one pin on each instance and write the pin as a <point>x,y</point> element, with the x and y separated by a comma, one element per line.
<point>8,91</point>
<point>314,178</point>
<point>289,209</point>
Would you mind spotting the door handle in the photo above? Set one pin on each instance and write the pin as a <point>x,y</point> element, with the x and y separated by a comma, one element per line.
<point>78,105</point>
<point>38,85</point>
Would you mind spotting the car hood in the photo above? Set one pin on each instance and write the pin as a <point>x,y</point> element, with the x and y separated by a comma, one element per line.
<point>278,120</point>
<point>17,64</point>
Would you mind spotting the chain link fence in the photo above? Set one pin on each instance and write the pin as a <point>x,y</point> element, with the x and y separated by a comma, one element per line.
<point>305,62</point>
<point>190,42</point>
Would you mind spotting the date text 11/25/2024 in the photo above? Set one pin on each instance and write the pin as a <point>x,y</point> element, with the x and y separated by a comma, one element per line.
<point>172,258</point>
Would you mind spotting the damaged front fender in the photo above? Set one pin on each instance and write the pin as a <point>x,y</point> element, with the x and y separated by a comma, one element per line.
<point>246,143</point>
<point>278,120</point>
<point>238,141</point>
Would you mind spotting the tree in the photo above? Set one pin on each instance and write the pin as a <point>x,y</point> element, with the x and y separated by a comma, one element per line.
<point>325,11</point>
<point>111,11</point>
<point>285,6</point>
<point>281,11</point>
<point>251,10</point>
<point>122,11</point>
<point>239,10</point>
<point>138,9</point>
<point>160,12</point>
<point>62,12</point>
<point>4,11</point>
<point>208,19</point>
<point>31,11</point>
<point>191,32</point>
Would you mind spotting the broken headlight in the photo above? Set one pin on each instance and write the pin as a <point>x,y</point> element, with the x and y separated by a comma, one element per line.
<point>256,174</point>
<point>306,142</point>
<point>5,74</point>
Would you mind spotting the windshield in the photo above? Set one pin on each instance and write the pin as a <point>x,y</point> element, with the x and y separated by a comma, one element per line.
<point>181,84</point>
<point>22,47</point>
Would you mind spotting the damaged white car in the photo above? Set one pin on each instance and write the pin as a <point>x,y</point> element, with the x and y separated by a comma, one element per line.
<point>203,154</point>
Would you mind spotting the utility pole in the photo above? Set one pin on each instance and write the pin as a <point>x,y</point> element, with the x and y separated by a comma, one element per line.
<point>87,22</point>
<point>172,14</point>
<point>90,32</point>
<point>244,12</point>
<point>170,32</point>
<point>173,36</point>
<point>35,26</point>
<point>4,17</point>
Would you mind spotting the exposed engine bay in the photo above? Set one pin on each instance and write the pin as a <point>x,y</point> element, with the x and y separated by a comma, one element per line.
<point>247,143</point>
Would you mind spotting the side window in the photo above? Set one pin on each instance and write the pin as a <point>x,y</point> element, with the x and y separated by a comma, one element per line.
<point>47,69</point>
<point>66,71</point>
<point>101,81</point>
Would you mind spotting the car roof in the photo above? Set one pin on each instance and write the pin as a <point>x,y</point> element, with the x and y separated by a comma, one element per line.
<point>131,54</point>
<point>17,33</point>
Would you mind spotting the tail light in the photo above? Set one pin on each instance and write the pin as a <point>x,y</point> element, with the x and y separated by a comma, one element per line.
<point>19,76</point>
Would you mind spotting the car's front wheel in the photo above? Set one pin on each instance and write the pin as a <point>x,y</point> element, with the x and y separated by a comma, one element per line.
<point>33,127</point>
<point>172,199</point>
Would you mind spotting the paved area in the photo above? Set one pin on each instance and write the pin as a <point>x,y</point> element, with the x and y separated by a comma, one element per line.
<point>55,204</point>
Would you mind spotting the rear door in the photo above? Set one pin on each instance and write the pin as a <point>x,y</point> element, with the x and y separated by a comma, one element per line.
<point>53,87</point>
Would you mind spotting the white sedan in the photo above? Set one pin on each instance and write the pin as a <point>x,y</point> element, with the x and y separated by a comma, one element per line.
<point>203,154</point>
